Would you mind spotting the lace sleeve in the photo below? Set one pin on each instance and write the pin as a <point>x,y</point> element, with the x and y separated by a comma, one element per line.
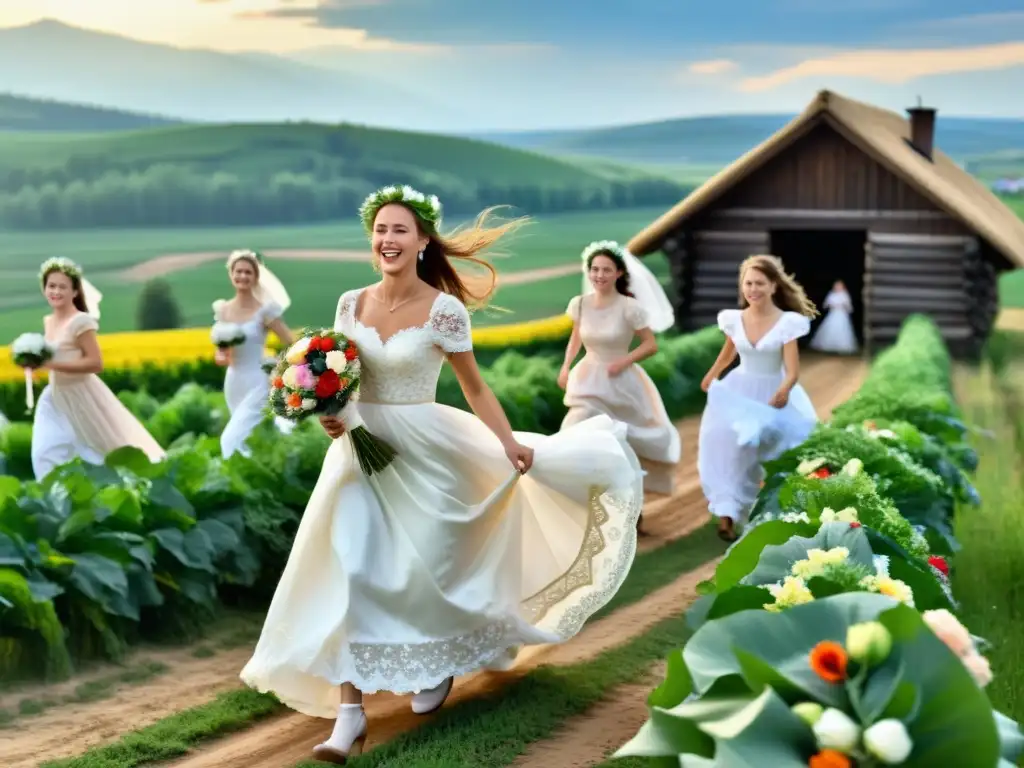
<point>271,311</point>
<point>82,324</point>
<point>636,315</point>
<point>346,312</point>
<point>450,326</point>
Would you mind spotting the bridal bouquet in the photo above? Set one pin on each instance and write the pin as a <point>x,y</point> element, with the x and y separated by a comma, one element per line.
<point>31,351</point>
<point>320,374</point>
<point>226,335</point>
<point>855,680</point>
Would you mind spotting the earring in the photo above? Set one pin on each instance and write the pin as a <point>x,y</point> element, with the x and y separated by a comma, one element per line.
<point>421,255</point>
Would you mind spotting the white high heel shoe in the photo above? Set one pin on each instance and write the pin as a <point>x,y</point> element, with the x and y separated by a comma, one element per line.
<point>348,738</point>
<point>431,700</point>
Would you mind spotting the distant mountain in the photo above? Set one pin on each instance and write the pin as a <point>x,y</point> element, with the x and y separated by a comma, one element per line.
<point>52,60</point>
<point>717,140</point>
<point>20,113</point>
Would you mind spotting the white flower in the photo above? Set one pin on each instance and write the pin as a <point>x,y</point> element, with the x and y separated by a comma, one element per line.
<point>835,730</point>
<point>807,466</point>
<point>435,203</point>
<point>308,403</point>
<point>853,467</point>
<point>336,361</point>
<point>227,334</point>
<point>290,377</point>
<point>847,515</point>
<point>881,563</point>
<point>795,517</point>
<point>30,344</point>
<point>888,741</point>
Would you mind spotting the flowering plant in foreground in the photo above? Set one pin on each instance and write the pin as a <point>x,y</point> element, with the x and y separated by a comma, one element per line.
<point>30,351</point>
<point>319,374</point>
<point>850,681</point>
<point>226,335</point>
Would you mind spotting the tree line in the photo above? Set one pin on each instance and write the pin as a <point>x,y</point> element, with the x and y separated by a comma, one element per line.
<point>168,195</point>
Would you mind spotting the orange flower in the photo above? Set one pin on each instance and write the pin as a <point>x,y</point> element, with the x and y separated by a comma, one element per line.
<point>294,400</point>
<point>828,660</point>
<point>278,383</point>
<point>829,758</point>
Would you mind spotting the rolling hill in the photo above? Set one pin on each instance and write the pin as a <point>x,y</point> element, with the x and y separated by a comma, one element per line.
<point>22,113</point>
<point>122,73</point>
<point>212,175</point>
<point>720,139</point>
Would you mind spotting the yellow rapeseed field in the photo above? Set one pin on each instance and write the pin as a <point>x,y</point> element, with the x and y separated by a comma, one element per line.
<point>129,350</point>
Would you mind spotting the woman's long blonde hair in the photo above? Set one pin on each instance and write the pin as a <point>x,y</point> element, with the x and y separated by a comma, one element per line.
<point>789,295</point>
<point>467,244</point>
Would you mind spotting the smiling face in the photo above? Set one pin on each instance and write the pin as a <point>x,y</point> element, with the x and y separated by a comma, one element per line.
<point>396,239</point>
<point>59,290</point>
<point>756,287</point>
<point>244,275</point>
<point>603,273</point>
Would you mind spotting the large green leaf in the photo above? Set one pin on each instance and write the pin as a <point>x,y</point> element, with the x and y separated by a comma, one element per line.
<point>743,556</point>
<point>103,581</point>
<point>777,561</point>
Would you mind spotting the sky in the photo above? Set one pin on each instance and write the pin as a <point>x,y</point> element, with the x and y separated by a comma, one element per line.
<point>555,63</point>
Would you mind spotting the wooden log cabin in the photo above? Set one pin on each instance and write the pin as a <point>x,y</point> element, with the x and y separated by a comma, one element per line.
<point>847,191</point>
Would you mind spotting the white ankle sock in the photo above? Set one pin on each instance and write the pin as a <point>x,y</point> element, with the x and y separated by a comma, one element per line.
<point>348,724</point>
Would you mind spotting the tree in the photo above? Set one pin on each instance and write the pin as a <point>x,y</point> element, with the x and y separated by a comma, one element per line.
<point>158,309</point>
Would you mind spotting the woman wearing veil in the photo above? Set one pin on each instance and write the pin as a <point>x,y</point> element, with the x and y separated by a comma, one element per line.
<point>77,415</point>
<point>621,301</point>
<point>258,305</point>
<point>836,334</point>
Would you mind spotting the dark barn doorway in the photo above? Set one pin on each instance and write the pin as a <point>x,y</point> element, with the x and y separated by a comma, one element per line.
<point>818,258</point>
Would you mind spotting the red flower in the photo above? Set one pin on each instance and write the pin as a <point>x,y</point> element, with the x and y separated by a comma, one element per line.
<point>855,525</point>
<point>351,353</point>
<point>328,385</point>
<point>821,473</point>
<point>314,344</point>
<point>326,343</point>
<point>939,564</point>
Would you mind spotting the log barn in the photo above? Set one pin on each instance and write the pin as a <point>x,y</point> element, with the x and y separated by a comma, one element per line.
<point>848,191</point>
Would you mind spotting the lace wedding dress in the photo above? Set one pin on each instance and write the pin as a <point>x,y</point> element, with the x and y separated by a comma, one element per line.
<point>739,429</point>
<point>836,334</point>
<point>246,384</point>
<point>78,416</point>
<point>447,559</point>
<point>630,397</point>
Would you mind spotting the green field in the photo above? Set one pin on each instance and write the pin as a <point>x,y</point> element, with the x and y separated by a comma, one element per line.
<point>315,286</point>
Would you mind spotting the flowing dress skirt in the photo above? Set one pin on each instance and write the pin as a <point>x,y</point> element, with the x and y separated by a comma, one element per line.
<point>441,563</point>
<point>835,334</point>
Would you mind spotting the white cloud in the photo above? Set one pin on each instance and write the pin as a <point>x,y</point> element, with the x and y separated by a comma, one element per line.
<point>712,67</point>
<point>891,65</point>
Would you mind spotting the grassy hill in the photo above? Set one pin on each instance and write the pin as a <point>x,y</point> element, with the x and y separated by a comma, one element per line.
<point>720,139</point>
<point>213,175</point>
<point>23,113</point>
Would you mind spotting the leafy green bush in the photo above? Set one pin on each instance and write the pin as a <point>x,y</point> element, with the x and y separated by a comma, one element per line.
<point>157,308</point>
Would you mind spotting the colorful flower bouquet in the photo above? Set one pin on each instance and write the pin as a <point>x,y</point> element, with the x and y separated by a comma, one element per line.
<point>226,335</point>
<point>320,374</point>
<point>855,680</point>
<point>31,351</point>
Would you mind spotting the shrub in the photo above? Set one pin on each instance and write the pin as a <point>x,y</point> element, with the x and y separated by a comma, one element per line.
<point>158,310</point>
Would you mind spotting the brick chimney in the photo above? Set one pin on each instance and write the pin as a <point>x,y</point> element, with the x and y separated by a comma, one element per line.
<point>922,129</point>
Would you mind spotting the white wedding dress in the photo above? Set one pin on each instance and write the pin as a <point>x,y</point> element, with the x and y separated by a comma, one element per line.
<point>836,334</point>
<point>739,429</point>
<point>448,558</point>
<point>246,384</point>
<point>631,397</point>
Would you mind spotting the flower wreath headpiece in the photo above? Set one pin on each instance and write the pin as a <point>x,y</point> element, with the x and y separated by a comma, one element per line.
<point>606,246</point>
<point>426,208</point>
<point>244,253</point>
<point>60,264</point>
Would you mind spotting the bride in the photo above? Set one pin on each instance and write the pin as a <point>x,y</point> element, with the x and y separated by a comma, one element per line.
<point>474,541</point>
<point>835,334</point>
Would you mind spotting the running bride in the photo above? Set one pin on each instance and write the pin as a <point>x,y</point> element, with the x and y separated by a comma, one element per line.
<point>474,541</point>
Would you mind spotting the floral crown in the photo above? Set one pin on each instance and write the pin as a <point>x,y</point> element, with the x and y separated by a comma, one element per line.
<point>426,208</point>
<point>60,264</point>
<point>603,246</point>
<point>244,253</point>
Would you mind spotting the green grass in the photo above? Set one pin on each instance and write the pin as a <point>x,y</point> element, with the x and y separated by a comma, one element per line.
<point>988,579</point>
<point>315,286</point>
<point>492,730</point>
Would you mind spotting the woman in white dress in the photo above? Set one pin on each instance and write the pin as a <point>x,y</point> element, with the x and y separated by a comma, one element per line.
<point>758,410</point>
<point>259,303</point>
<point>836,334</point>
<point>474,541</point>
<point>622,301</point>
<point>77,414</point>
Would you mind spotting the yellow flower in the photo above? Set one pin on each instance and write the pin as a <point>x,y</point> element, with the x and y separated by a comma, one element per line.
<point>889,587</point>
<point>847,515</point>
<point>817,560</point>
<point>853,467</point>
<point>792,591</point>
<point>807,466</point>
<point>296,353</point>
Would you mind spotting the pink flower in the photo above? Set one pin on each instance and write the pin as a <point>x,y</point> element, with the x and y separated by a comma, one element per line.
<point>979,668</point>
<point>950,631</point>
<point>304,377</point>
